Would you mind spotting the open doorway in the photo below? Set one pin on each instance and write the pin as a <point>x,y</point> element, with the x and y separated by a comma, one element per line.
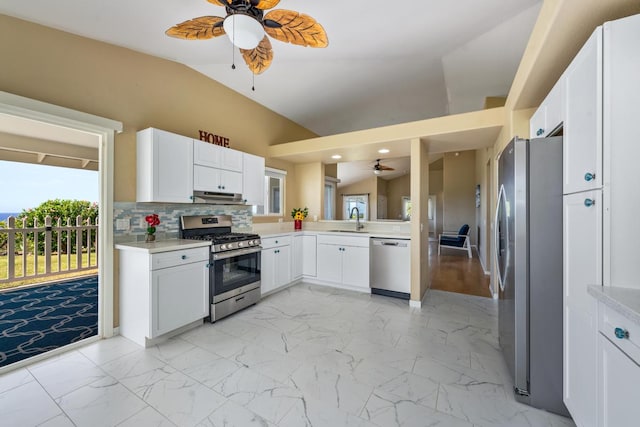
<point>35,132</point>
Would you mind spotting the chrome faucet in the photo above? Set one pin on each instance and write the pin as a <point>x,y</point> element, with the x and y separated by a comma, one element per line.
<point>358,225</point>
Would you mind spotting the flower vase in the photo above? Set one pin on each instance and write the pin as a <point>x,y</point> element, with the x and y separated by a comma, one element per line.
<point>150,238</point>
<point>297,224</point>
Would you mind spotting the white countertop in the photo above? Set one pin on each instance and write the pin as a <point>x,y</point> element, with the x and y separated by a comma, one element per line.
<point>625,301</point>
<point>382,234</point>
<point>162,245</point>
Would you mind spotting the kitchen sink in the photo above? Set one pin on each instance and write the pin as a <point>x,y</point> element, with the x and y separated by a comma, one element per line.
<point>348,231</point>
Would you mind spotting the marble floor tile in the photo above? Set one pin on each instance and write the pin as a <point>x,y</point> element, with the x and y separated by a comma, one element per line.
<point>490,412</point>
<point>481,382</point>
<point>133,365</point>
<point>105,402</point>
<point>230,414</point>
<point>14,379</point>
<point>106,350</point>
<point>259,393</point>
<point>412,387</point>
<point>309,412</point>
<point>387,410</point>
<point>62,375</point>
<point>59,421</point>
<point>273,364</point>
<point>335,390</point>
<point>148,417</point>
<point>181,399</point>
<point>27,405</point>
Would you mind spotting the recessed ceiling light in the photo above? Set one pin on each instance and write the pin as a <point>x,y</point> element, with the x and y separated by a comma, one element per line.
<point>336,156</point>
<point>383,151</point>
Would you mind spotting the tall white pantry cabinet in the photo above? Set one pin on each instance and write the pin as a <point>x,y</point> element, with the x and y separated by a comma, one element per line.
<point>601,202</point>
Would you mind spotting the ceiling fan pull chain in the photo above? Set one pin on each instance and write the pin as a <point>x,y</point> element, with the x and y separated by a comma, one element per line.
<point>233,47</point>
<point>253,82</point>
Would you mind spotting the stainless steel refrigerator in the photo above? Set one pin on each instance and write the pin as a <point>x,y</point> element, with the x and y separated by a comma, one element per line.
<point>528,231</point>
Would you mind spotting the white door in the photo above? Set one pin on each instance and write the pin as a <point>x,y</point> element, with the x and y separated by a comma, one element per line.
<point>618,392</point>
<point>206,154</point>
<point>253,179</point>
<point>206,178</point>
<point>230,182</point>
<point>297,256</point>
<point>180,296</point>
<point>267,270</point>
<point>172,168</point>
<point>355,266</point>
<point>309,256</point>
<point>330,263</point>
<point>283,266</point>
<point>582,229</point>
<point>582,144</point>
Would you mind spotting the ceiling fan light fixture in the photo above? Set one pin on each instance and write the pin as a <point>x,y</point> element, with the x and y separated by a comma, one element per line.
<point>243,30</point>
<point>383,150</point>
<point>377,171</point>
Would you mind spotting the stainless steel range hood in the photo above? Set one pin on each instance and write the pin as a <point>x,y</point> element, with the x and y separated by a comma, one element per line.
<point>214,198</point>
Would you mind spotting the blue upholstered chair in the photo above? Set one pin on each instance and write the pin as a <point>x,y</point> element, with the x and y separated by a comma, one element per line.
<point>453,240</point>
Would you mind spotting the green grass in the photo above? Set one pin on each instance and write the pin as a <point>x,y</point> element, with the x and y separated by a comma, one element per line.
<point>63,273</point>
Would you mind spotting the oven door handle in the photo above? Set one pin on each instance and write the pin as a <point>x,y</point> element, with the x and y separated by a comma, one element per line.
<point>235,253</point>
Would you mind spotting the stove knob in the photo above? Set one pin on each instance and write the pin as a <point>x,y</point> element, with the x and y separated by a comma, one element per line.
<point>223,247</point>
<point>241,244</point>
<point>251,243</point>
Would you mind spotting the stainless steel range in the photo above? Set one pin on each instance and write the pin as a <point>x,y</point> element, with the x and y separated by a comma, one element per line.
<point>234,272</point>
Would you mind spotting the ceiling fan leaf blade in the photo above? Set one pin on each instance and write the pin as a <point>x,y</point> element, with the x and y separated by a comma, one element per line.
<point>296,28</point>
<point>202,28</point>
<point>260,58</point>
<point>222,3</point>
<point>264,4</point>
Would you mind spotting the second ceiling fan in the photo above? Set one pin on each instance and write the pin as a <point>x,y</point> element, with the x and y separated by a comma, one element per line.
<point>246,25</point>
<point>378,168</point>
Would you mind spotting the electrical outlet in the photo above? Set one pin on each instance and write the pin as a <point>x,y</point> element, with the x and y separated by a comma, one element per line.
<point>123,224</point>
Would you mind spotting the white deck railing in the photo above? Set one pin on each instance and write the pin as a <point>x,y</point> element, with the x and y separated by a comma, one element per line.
<point>48,244</point>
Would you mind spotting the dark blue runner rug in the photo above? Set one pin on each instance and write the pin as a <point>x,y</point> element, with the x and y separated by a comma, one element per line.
<point>41,318</point>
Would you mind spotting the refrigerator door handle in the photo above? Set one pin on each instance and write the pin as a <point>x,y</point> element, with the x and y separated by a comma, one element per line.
<point>496,236</point>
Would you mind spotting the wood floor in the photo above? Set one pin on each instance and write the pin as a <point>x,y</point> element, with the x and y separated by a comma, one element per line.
<point>453,271</point>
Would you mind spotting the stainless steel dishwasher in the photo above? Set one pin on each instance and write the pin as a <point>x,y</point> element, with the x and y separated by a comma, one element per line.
<point>390,267</point>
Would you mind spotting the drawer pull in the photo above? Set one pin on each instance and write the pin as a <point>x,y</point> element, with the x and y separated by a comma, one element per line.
<point>183,257</point>
<point>589,176</point>
<point>621,333</point>
<point>540,132</point>
<point>239,299</point>
<point>589,202</point>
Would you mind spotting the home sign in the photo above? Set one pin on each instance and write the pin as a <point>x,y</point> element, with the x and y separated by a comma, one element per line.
<point>214,139</point>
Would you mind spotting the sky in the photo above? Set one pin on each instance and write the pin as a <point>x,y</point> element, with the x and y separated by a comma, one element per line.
<point>24,185</point>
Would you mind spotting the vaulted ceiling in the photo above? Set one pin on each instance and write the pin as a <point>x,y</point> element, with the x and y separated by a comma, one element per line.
<point>386,63</point>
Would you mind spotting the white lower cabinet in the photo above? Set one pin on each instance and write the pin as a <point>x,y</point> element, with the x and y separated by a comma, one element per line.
<point>162,292</point>
<point>344,261</point>
<point>582,261</point>
<point>178,297</point>
<point>618,369</point>
<point>275,270</point>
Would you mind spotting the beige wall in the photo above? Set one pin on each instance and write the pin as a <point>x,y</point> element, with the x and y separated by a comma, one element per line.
<point>309,185</point>
<point>366,186</point>
<point>420,280</point>
<point>396,189</point>
<point>383,201</point>
<point>436,188</point>
<point>138,90</point>
<point>483,213</point>
<point>459,182</point>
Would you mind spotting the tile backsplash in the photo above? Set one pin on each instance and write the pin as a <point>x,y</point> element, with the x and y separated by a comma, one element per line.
<point>170,214</point>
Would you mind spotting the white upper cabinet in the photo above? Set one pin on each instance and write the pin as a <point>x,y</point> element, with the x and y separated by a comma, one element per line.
<point>582,144</point>
<point>164,167</point>
<point>253,179</point>
<point>215,156</point>
<point>551,113</point>
<point>621,151</point>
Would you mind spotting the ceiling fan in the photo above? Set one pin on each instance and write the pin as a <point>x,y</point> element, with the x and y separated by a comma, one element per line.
<point>246,25</point>
<point>378,168</point>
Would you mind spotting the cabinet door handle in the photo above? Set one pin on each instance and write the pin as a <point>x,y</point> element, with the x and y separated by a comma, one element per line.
<point>190,197</point>
<point>589,202</point>
<point>621,333</point>
<point>239,299</point>
<point>589,176</point>
<point>539,132</point>
<point>183,257</point>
